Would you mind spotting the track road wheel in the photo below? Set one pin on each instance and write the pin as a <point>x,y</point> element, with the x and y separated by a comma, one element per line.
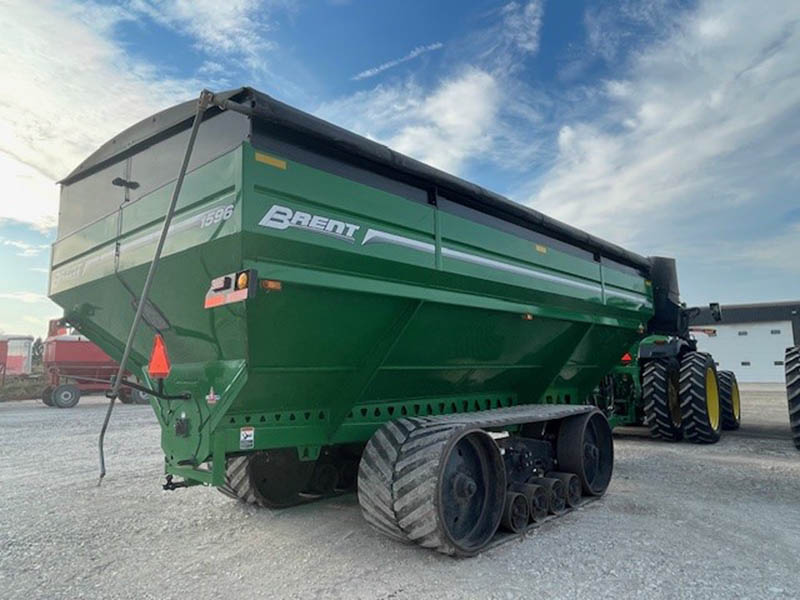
<point>47,396</point>
<point>572,487</point>
<point>792,366</point>
<point>556,493</point>
<point>516,513</point>
<point>66,396</point>
<point>729,401</point>
<point>699,395</point>
<point>585,447</point>
<point>662,407</point>
<point>536,497</point>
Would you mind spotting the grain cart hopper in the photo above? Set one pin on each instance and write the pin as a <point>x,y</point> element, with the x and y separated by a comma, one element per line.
<point>337,314</point>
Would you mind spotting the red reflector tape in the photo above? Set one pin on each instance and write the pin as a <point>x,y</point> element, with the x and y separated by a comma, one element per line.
<point>212,301</point>
<point>229,298</point>
<point>237,296</point>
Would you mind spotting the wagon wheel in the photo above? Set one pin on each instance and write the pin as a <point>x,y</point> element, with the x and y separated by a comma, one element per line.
<point>125,395</point>
<point>47,395</point>
<point>66,396</point>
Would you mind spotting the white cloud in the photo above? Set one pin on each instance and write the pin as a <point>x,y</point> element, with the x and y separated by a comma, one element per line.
<point>443,128</point>
<point>24,248</point>
<point>610,27</point>
<point>697,142</point>
<point>418,51</point>
<point>512,37</point>
<point>233,27</point>
<point>26,297</point>
<point>522,24</point>
<point>28,195</point>
<point>66,89</point>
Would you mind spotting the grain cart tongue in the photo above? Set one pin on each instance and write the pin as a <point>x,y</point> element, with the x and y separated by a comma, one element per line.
<point>338,315</point>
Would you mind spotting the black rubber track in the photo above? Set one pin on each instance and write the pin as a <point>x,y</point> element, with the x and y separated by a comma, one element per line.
<point>657,378</point>
<point>397,481</point>
<point>727,384</point>
<point>237,482</point>
<point>380,462</point>
<point>376,475</point>
<point>694,411</point>
<point>792,366</point>
<point>243,474</point>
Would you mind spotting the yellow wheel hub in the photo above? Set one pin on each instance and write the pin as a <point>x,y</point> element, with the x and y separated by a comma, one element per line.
<point>735,400</point>
<point>712,398</point>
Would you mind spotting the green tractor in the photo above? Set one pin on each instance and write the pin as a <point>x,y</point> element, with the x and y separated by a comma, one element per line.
<point>677,392</point>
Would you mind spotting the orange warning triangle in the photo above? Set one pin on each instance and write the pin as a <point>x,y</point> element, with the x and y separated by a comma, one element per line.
<point>626,358</point>
<point>159,361</point>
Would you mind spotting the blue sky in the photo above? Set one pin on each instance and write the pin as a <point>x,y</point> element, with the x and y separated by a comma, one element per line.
<point>670,127</point>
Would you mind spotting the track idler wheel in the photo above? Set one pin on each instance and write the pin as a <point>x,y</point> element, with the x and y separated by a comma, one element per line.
<point>348,475</point>
<point>516,513</point>
<point>585,447</point>
<point>572,486</point>
<point>536,497</point>
<point>441,486</point>
<point>324,479</point>
<point>556,493</point>
<point>272,478</point>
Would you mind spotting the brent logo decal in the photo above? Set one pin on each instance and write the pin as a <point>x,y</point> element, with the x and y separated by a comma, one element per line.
<point>282,217</point>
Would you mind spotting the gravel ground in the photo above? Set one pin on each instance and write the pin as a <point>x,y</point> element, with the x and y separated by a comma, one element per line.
<point>679,521</point>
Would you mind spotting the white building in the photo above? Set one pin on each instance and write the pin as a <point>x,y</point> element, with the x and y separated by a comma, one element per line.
<point>751,339</point>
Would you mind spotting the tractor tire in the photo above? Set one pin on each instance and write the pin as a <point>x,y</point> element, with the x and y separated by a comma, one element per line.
<point>662,407</point>
<point>66,396</point>
<point>729,401</point>
<point>792,366</point>
<point>125,396</point>
<point>47,396</point>
<point>701,415</point>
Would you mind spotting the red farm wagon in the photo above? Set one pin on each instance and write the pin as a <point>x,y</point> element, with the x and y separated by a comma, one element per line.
<point>3,359</point>
<point>75,366</point>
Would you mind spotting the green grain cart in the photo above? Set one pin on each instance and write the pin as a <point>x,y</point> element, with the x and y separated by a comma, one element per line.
<point>337,315</point>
